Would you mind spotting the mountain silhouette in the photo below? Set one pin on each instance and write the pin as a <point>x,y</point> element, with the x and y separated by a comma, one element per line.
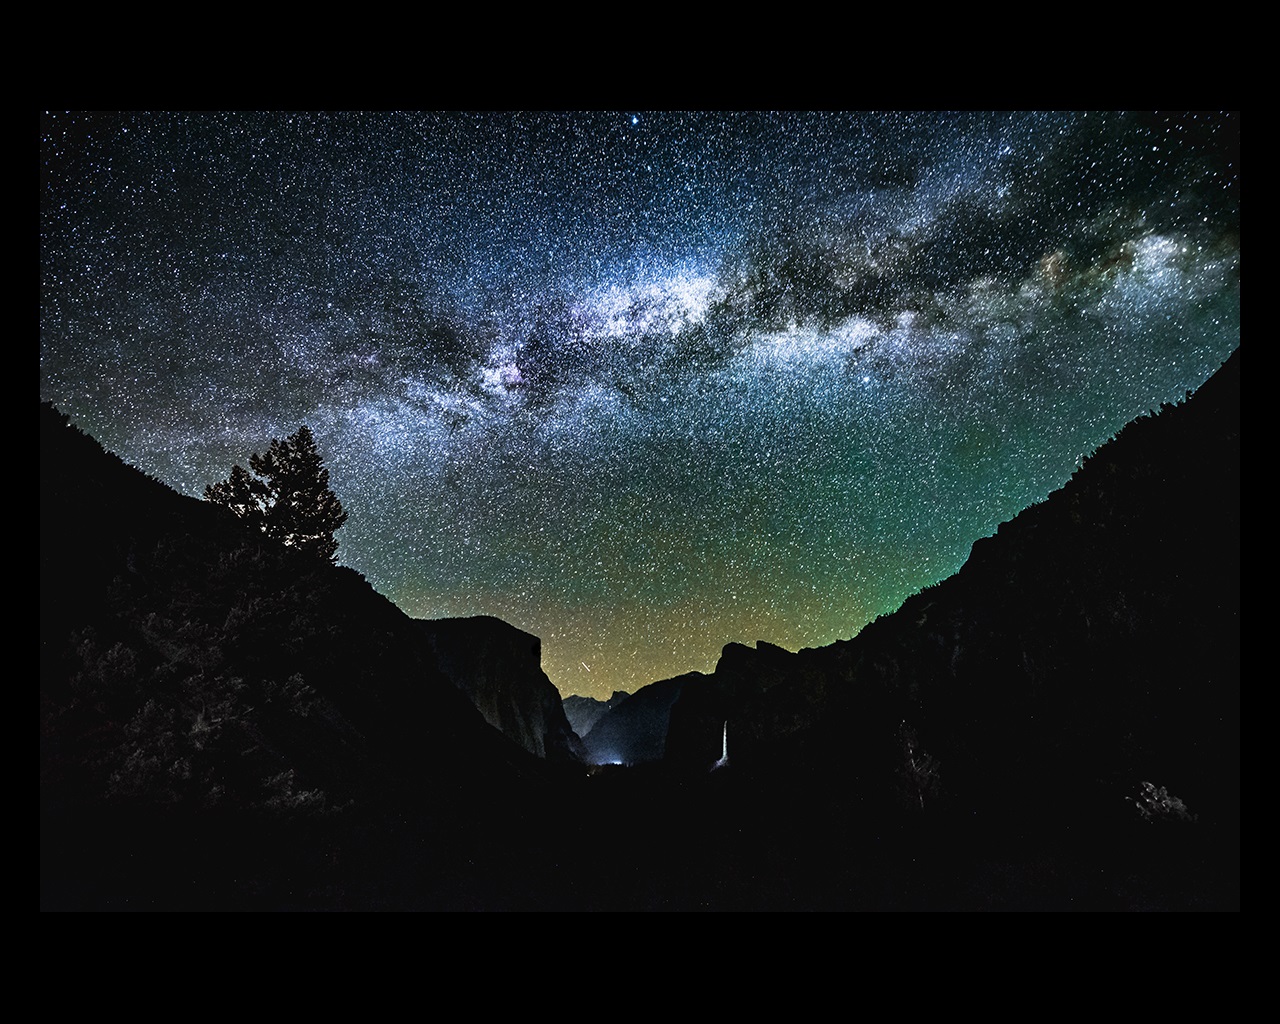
<point>1062,716</point>
<point>499,668</point>
<point>202,685</point>
<point>1077,679</point>
<point>228,725</point>
<point>1096,635</point>
<point>634,730</point>
<point>583,712</point>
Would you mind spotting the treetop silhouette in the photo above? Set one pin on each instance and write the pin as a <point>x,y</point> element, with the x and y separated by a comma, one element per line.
<point>287,497</point>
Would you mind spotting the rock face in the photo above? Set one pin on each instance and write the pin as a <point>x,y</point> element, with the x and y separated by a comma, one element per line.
<point>743,678</point>
<point>215,706</point>
<point>499,668</point>
<point>584,712</point>
<point>635,730</point>
<point>150,596</point>
<point>1091,646</point>
<point>225,726</point>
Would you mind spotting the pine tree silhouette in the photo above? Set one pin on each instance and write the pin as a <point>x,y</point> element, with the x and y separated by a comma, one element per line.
<point>288,497</point>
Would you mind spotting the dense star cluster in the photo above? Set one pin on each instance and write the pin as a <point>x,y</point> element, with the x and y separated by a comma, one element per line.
<point>639,383</point>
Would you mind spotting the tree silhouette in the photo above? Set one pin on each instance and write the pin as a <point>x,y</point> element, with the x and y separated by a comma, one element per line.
<point>288,496</point>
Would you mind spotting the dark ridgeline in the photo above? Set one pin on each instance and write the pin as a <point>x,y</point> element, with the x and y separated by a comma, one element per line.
<point>1037,731</point>
<point>499,668</point>
<point>634,731</point>
<point>1057,710</point>
<point>584,712</point>
<point>227,725</point>
<point>1095,636</point>
<point>218,707</point>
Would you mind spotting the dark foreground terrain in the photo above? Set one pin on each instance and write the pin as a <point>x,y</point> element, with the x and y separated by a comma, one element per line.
<point>628,841</point>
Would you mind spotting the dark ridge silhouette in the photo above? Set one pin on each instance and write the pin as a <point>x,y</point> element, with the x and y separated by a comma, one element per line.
<point>742,677</point>
<point>483,657</point>
<point>583,712</point>
<point>1084,658</point>
<point>219,705</point>
<point>634,730</point>
<point>227,724</point>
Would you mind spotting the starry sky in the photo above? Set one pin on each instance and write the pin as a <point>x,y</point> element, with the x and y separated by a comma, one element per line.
<point>641,383</point>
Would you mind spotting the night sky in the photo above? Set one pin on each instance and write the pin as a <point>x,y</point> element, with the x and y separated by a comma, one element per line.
<point>640,383</point>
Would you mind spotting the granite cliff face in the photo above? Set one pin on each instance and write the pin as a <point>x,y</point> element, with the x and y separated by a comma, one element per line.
<point>499,668</point>
<point>635,730</point>
<point>584,712</point>
<point>1091,646</point>
<point>744,678</point>
<point>215,706</point>
<point>1057,726</point>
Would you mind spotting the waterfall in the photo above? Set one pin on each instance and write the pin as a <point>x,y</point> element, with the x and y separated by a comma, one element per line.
<point>724,756</point>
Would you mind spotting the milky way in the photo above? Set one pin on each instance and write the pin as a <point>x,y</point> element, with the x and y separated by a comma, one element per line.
<point>639,383</point>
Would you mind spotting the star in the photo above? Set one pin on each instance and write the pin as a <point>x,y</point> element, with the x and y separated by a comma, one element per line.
<point>744,375</point>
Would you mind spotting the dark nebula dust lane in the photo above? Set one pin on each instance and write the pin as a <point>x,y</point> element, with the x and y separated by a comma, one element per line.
<point>640,383</point>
